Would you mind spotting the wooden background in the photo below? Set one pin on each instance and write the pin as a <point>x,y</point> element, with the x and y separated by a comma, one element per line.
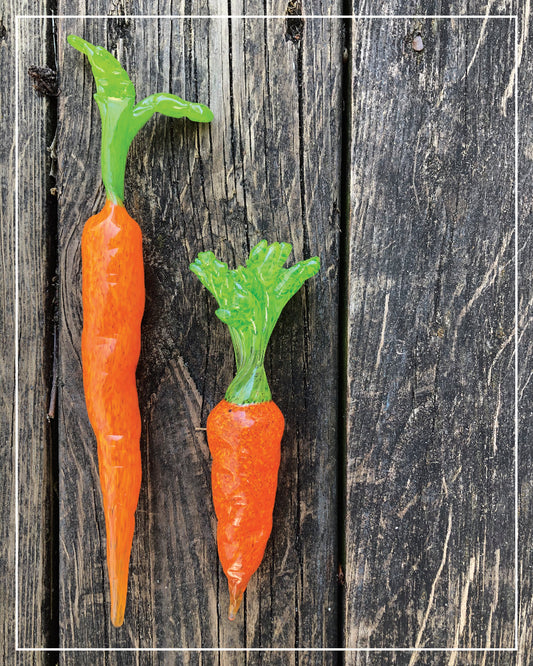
<point>394,524</point>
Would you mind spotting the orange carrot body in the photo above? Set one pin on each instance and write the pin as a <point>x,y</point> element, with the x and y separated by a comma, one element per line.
<point>113,305</point>
<point>244,441</point>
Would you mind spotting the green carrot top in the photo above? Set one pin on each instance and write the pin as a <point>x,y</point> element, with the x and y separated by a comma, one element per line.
<point>251,299</point>
<point>121,118</point>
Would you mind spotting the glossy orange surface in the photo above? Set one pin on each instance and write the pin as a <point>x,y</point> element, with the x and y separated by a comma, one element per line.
<point>244,441</point>
<point>113,305</point>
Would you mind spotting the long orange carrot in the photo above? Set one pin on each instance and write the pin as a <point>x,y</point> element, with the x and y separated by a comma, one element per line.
<point>113,304</point>
<point>244,430</point>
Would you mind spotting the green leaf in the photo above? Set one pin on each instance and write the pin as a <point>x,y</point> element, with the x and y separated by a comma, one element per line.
<point>251,299</point>
<point>111,78</point>
<point>214,275</point>
<point>241,310</point>
<point>266,261</point>
<point>172,105</point>
<point>294,277</point>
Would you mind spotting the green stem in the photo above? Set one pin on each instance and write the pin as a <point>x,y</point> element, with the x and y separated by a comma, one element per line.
<point>250,384</point>
<point>121,119</point>
<point>116,142</point>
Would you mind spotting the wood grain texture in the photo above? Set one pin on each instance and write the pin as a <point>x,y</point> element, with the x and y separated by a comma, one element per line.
<point>430,475</point>
<point>430,658</point>
<point>35,547</point>
<point>7,337</point>
<point>428,264</point>
<point>525,339</point>
<point>435,7</point>
<point>251,174</point>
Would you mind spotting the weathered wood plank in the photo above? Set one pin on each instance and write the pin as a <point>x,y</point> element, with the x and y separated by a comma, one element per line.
<point>436,7</point>
<point>35,548</point>
<point>286,100</point>
<point>431,658</point>
<point>525,346</point>
<point>268,166</point>
<point>7,337</point>
<point>430,487</point>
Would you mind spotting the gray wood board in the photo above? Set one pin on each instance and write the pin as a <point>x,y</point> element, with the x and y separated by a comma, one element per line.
<point>29,495</point>
<point>268,166</point>
<point>7,336</point>
<point>430,457</point>
<point>484,658</point>
<point>7,333</point>
<point>484,8</point>
<point>525,339</point>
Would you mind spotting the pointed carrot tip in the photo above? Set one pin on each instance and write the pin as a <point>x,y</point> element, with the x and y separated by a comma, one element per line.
<point>117,612</point>
<point>118,602</point>
<point>118,620</point>
<point>234,604</point>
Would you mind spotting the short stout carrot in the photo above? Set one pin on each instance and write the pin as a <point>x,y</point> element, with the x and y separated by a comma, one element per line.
<point>244,430</point>
<point>113,305</point>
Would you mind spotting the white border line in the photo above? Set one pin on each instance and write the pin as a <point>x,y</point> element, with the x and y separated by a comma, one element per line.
<point>18,17</point>
<point>270,16</point>
<point>16,346</point>
<point>256,649</point>
<point>516,323</point>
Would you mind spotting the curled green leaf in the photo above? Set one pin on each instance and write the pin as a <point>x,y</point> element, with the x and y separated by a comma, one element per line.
<point>171,105</point>
<point>110,77</point>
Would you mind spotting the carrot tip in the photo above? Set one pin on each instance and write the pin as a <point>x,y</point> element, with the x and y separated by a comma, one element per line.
<point>118,603</point>
<point>117,621</point>
<point>234,605</point>
<point>117,612</point>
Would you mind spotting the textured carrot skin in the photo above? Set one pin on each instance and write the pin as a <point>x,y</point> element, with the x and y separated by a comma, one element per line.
<point>244,441</point>
<point>113,304</point>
